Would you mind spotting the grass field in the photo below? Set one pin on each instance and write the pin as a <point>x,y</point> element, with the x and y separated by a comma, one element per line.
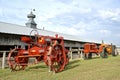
<point>93,69</point>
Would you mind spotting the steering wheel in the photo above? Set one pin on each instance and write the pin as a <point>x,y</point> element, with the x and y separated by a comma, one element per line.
<point>34,33</point>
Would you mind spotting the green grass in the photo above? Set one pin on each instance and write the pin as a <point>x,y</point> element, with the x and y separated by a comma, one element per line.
<point>93,69</point>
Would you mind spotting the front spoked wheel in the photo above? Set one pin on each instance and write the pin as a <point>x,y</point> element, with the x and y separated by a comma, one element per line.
<point>13,60</point>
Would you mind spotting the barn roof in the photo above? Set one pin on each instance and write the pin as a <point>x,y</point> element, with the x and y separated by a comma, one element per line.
<point>23,30</point>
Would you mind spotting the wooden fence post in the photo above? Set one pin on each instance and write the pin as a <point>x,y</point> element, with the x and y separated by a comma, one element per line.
<point>3,59</point>
<point>81,54</point>
<point>70,53</point>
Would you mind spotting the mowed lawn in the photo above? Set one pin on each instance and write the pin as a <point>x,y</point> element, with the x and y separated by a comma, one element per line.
<point>92,69</point>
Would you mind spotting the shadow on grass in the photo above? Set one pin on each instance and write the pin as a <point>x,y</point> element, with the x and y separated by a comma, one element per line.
<point>72,64</point>
<point>37,66</point>
<point>74,61</point>
<point>93,58</point>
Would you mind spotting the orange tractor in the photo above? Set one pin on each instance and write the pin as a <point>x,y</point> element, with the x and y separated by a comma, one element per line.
<point>43,48</point>
<point>103,50</point>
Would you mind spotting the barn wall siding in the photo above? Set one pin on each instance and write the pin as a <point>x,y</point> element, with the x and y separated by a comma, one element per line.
<point>9,39</point>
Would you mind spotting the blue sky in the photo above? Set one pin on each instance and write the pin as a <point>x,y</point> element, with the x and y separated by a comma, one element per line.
<point>92,20</point>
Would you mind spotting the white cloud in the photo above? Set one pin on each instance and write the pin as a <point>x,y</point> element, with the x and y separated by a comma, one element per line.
<point>117,35</point>
<point>67,30</point>
<point>105,33</point>
<point>1,12</point>
<point>113,14</point>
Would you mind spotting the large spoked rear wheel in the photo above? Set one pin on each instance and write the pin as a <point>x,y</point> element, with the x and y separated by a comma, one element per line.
<point>59,58</point>
<point>114,52</point>
<point>12,60</point>
<point>104,53</point>
<point>90,56</point>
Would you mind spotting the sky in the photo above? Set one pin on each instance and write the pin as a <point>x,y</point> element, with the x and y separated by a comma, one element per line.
<point>91,20</point>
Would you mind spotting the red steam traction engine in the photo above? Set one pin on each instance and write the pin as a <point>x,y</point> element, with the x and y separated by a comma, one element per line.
<point>49,49</point>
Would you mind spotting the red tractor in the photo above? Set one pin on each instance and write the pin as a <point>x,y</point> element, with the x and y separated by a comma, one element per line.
<point>90,48</point>
<point>44,48</point>
<point>103,50</point>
